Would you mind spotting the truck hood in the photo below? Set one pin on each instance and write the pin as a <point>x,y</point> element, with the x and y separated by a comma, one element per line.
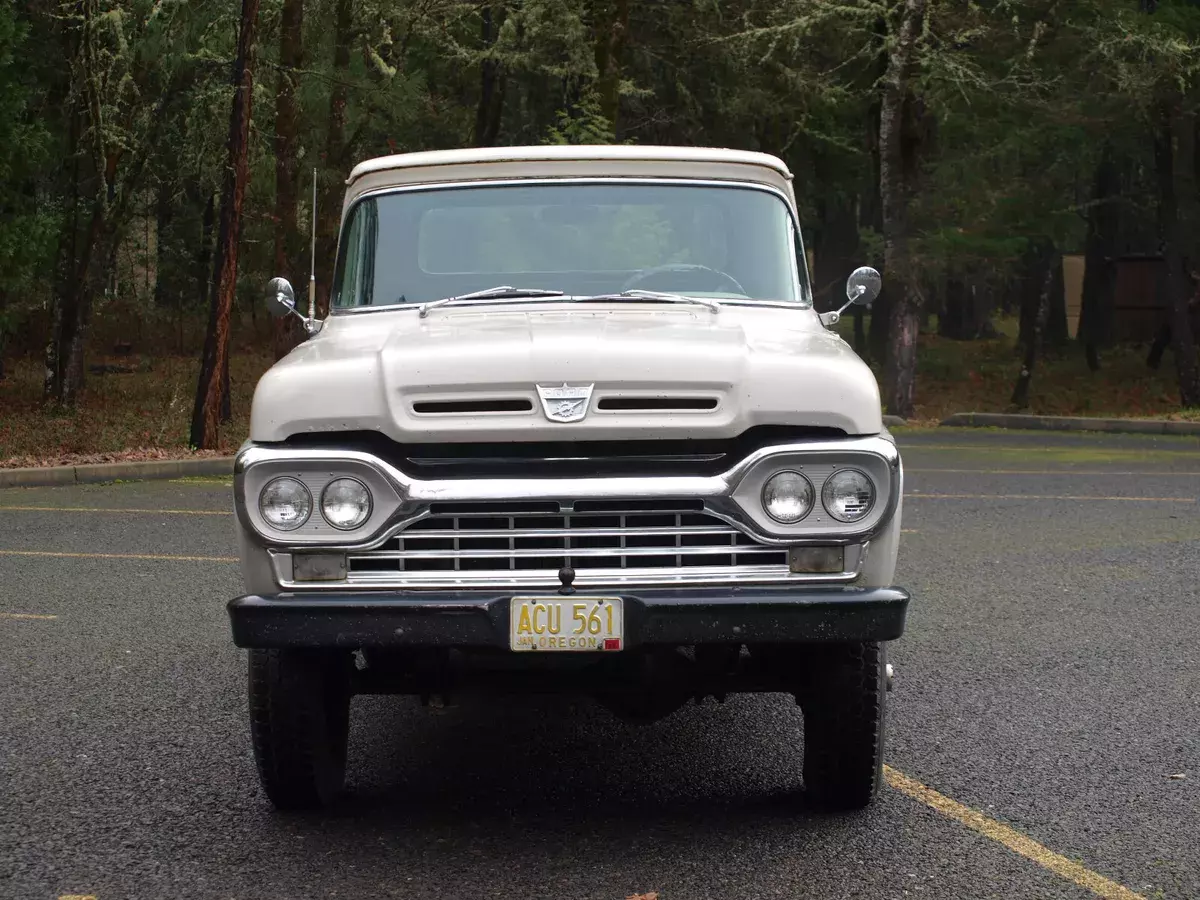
<point>472,374</point>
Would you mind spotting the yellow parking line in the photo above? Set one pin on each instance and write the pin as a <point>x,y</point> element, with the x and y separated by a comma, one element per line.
<point>1010,838</point>
<point>99,509</point>
<point>4,615</point>
<point>162,556</point>
<point>921,496</point>
<point>77,897</point>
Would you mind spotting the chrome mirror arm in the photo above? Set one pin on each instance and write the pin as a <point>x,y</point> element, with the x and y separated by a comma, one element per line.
<point>829,319</point>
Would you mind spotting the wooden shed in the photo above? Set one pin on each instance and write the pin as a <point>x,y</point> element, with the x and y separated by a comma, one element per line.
<point>1139,305</point>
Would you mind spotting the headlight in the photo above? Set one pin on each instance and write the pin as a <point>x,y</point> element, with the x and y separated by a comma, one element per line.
<point>285,503</point>
<point>345,503</point>
<point>787,497</point>
<point>848,495</point>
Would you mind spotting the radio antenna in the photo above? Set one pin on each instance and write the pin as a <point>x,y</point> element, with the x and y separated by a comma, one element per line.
<point>312,275</point>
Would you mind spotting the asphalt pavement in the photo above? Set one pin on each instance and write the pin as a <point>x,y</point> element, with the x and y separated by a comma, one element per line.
<point>1042,740</point>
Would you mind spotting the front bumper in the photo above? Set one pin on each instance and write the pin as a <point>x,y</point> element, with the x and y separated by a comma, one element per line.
<point>480,619</point>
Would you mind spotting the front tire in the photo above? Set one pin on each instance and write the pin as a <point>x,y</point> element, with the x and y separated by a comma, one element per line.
<point>844,714</point>
<point>300,724</point>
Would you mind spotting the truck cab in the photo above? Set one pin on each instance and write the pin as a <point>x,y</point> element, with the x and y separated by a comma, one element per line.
<point>572,423</point>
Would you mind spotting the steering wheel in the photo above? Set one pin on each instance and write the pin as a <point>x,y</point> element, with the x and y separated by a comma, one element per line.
<point>645,274</point>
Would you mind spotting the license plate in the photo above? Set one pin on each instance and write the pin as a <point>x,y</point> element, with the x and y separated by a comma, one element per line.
<point>566,623</point>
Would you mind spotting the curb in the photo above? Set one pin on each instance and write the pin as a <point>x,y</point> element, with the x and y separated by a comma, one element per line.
<point>1071,423</point>
<point>894,421</point>
<point>47,476</point>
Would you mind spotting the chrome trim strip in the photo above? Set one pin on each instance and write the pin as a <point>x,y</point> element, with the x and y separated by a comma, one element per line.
<point>663,531</point>
<point>582,552</point>
<point>413,497</point>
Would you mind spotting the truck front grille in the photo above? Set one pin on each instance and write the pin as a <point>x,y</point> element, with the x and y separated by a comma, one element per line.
<point>604,541</point>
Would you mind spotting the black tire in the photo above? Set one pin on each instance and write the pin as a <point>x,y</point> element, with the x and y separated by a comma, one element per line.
<point>299,725</point>
<point>844,712</point>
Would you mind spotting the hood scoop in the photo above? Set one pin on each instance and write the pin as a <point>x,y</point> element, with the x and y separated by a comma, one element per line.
<point>472,406</point>
<point>657,404</point>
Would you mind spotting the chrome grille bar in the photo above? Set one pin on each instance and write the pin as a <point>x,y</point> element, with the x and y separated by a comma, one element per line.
<point>633,577</point>
<point>580,552</point>
<point>718,530</point>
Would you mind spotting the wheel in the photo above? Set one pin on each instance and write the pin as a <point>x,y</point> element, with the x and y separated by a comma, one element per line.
<point>844,709</point>
<point>299,724</point>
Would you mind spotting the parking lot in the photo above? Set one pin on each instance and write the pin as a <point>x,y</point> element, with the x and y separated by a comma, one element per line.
<point>1043,738</point>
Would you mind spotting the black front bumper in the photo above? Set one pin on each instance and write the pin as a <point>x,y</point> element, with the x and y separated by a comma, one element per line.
<point>479,619</point>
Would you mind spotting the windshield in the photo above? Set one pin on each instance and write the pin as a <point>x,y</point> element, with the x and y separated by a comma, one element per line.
<point>419,246</point>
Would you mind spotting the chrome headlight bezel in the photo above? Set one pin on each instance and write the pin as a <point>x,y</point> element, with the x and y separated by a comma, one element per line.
<point>256,467</point>
<point>817,466</point>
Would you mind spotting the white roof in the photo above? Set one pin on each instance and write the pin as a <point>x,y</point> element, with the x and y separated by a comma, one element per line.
<point>593,153</point>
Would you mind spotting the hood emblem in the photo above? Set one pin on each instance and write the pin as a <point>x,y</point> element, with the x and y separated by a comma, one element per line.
<point>565,404</point>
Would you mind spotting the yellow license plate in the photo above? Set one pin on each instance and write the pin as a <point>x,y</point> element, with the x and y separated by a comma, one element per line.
<point>568,623</point>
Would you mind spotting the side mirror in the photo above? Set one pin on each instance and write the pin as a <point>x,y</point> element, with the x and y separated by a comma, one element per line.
<point>281,299</point>
<point>862,287</point>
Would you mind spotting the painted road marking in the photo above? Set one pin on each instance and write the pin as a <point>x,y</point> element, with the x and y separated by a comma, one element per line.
<point>1010,838</point>
<point>921,496</point>
<point>77,897</point>
<point>98,509</point>
<point>5,615</point>
<point>161,556</point>
<point>1047,472</point>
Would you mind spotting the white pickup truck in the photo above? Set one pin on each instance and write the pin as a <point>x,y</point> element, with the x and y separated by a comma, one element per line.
<point>572,423</point>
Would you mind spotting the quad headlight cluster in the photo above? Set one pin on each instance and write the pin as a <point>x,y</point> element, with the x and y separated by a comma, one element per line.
<point>848,495</point>
<point>286,503</point>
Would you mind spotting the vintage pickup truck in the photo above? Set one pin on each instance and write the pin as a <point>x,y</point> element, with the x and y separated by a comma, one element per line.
<point>572,423</point>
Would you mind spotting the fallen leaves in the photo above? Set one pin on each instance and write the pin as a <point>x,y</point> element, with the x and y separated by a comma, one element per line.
<point>137,454</point>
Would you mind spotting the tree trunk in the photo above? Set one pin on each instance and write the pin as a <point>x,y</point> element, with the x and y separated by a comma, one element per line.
<point>958,320</point>
<point>1034,311</point>
<point>204,249</point>
<point>226,400</point>
<point>206,414</point>
<point>165,284</point>
<point>836,246</point>
<point>1056,329</point>
<point>894,175</point>
<point>492,82</point>
<point>612,28</point>
<point>1100,248</point>
<point>288,256</point>
<point>871,206</point>
<point>1171,127</point>
<point>73,312</point>
<point>335,151</point>
<point>1035,269</point>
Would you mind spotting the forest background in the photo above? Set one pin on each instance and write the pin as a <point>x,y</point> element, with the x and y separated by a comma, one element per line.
<point>1023,172</point>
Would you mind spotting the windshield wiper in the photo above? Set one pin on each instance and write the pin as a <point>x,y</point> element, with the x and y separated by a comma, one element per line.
<point>492,293</point>
<point>660,296</point>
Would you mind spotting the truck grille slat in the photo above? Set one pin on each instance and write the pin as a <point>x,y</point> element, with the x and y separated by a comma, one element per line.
<point>610,542</point>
